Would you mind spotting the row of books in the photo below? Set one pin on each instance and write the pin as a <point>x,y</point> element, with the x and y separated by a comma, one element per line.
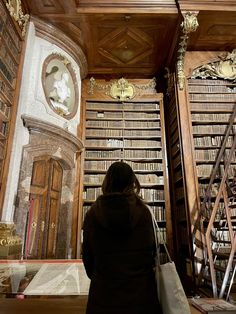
<point>122,132</point>
<point>105,164</point>
<point>93,178</point>
<point>10,43</point>
<point>144,179</point>
<point>104,114</point>
<point>209,129</point>
<point>142,154</point>
<point>5,70</point>
<point>220,213</point>
<point>115,153</point>
<point>10,63</point>
<point>206,170</point>
<point>194,81</point>
<point>121,115</point>
<point>212,141</point>
<point>210,89</point>
<point>210,155</point>
<point>2,151</point>
<point>148,195</point>
<point>203,107</point>
<point>152,195</point>
<point>123,153</point>
<point>122,124</point>
<point>13,34</point>
<point>214,189</point>
<point>6,25</point>
<point>6,90</point>
<point>122,143</point>
<point>162,235</point>
<point>151,166</point>
<point>119,106</point>
<point>90,194</point>
<point>159,212</point>
<point>214,117</point>
<point>213,97</point>
<point>104,132</point>
<point>4,109</point>
<point>3,127</point>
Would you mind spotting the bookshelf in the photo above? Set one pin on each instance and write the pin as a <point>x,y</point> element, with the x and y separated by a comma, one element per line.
<point>211,105</point>
<point>132,132</point>
<point>10,62</point>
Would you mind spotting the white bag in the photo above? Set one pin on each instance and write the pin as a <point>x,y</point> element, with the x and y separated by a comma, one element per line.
<point>171,294</point>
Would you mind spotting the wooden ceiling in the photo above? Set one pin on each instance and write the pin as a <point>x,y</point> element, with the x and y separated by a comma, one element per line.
<point>137,38</point>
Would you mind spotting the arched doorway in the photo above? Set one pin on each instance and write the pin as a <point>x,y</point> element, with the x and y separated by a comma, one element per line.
<point>42,222</point>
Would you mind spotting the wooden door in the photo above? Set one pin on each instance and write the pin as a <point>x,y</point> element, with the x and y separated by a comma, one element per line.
<point>45,193</point>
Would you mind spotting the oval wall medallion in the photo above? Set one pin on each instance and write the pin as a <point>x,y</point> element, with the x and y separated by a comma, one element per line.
<point>60,85</point>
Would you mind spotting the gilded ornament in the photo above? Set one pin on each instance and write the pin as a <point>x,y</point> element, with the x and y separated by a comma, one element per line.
<point>15,9</point>
<point>224,68</point>
<point>188,25</point>
<point>9,241</point>
<point>190,22</point>
<point>122,89</point>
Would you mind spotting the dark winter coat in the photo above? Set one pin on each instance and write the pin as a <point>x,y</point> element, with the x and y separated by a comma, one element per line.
<point>118,254</point>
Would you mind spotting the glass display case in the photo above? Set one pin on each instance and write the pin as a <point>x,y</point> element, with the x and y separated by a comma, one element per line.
<point>29,278</point>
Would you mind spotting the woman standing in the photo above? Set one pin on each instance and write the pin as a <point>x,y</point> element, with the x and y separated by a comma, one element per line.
<point>118,248</point>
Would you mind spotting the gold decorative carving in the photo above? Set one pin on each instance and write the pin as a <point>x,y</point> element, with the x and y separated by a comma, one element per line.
<point>189,24</point>
<point>15,9</point>
<point>121,89</point>
<point>10,243</point>
<point>224,68</point>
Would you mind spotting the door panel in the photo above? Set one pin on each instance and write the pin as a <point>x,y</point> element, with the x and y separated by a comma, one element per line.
<point>54,195</point>
<point>45,194</point>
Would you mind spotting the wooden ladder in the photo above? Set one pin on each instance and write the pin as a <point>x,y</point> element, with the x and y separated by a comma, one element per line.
<point>220,236</point>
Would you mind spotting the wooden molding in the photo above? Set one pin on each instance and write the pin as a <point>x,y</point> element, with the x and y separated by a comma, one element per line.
<point>36,125</point>
<point>56,36</point>
<point>208,5</point>
<point>126,6</point>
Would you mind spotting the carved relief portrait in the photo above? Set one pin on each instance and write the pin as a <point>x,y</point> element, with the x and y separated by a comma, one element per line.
<point>60,85</point>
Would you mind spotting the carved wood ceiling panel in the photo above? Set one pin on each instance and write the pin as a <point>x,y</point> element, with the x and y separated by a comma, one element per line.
<point>135,37</point>
<point>217,31</point>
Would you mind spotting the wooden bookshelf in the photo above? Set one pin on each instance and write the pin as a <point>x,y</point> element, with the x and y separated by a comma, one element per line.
<point>211,105</point>
<point>11,43</point>
<point>133,132</point>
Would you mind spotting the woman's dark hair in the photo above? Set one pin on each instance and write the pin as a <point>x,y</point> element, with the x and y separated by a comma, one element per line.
<point>120,178</point>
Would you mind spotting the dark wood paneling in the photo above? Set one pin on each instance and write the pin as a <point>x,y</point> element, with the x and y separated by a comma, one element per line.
<point>216,31</point>
<point>137,38</point>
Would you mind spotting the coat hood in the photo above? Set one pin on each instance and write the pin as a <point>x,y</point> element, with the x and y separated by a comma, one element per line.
<point>118,212</point>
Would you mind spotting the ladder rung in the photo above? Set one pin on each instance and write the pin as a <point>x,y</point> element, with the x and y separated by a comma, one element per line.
<point>223,255</point>
<point>221,241</point>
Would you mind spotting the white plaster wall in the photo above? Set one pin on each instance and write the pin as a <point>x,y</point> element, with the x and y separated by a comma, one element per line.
<point>32,102</point>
